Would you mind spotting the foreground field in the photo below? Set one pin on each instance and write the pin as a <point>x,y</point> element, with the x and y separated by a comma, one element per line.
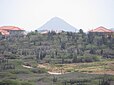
<point>58,74</point>
<point>103,67</point>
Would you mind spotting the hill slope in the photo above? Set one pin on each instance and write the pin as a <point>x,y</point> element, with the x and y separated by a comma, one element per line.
<point>57,24</point>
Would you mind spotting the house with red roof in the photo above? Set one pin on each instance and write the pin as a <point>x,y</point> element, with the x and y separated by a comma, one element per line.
<point>11,31</point>
<point>3,32</point>
<point>101,31</point>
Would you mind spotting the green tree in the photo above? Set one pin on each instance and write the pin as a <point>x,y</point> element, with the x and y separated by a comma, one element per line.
<point>81,31</point>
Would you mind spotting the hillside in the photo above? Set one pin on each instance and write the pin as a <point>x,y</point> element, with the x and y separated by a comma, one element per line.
<point>35,59</point>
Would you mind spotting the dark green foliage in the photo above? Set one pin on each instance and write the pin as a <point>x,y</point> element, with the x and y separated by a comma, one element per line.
<point>104,40</point>
<point>63,45</point>
<point>8,66</point>
<point>9,82</point>
<point>14,82</point>
<point>54,79</point>
<point>3,60</point>
<point>53,48</point>
<point>38,70</point>
<point>26,83</point>
<point>11,56</point>
<point>75,59</point>
<point>81,31</point>
<point>90,38</point>
<point>92,51</point>
<point>18,71</point>
<point>85,59</point>
<point>106,80</point>
<point>40,55</point>
<point>32,33</point>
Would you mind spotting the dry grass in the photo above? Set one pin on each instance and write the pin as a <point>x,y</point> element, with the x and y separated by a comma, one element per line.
<point>106,66</point>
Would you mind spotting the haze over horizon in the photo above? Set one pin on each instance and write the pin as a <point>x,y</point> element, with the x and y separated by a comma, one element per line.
<point>32,14</point>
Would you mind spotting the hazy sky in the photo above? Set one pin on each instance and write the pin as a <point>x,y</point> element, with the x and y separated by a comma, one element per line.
<point>82,14</point>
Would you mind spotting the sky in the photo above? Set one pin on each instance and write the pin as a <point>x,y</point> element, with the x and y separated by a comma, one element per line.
<point>32,14</point>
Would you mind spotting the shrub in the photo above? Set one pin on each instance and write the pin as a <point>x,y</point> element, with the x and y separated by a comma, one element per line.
<point>92,58</point>
<point>9,82</point>
<point>38,70</point>
<point>11,56</point>
<point>96,58</point>
<point>4,75</point>
<point>14,82</point>
<point>27,83</point>
<point>20,72</point>
<point>86,59</point>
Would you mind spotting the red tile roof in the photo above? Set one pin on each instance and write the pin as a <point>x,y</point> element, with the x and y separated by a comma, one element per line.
<point>101,29</point>
<point>10,28</point>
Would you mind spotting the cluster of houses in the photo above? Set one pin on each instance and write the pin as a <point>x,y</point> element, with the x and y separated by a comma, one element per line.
<point>11,31</point>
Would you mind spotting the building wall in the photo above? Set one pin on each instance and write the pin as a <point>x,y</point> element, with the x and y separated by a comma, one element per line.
<point>16,32</point>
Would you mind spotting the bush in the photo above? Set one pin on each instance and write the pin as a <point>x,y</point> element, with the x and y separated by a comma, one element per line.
<point>96,58</point>
<point>26,83</point>
<point>20,72</point>
<point>92,58</point>
<point>6,75</point>
<point>11,56</point>
<point>92,51</point>
<point>38,70</point>
<point>86,59</point>
<point>14,82</point>
<point>9,82</point>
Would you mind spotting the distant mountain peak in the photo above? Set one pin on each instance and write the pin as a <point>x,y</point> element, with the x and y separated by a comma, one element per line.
<point>56,18</point>
<point>57,24</point>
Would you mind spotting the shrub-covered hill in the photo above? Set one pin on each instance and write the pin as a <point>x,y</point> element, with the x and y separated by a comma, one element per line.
<point>20,58</point>
<point>64,47</point>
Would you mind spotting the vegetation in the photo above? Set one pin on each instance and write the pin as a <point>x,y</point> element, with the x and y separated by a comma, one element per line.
<point>26,60</point>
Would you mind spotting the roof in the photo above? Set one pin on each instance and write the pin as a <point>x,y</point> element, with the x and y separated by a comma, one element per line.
<point>3,32</point>
<point>101,29</point>
<point>10,28</point>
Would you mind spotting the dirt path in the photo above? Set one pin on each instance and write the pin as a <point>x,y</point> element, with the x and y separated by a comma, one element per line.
<point>26,66</point>
<point>54,73</point>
